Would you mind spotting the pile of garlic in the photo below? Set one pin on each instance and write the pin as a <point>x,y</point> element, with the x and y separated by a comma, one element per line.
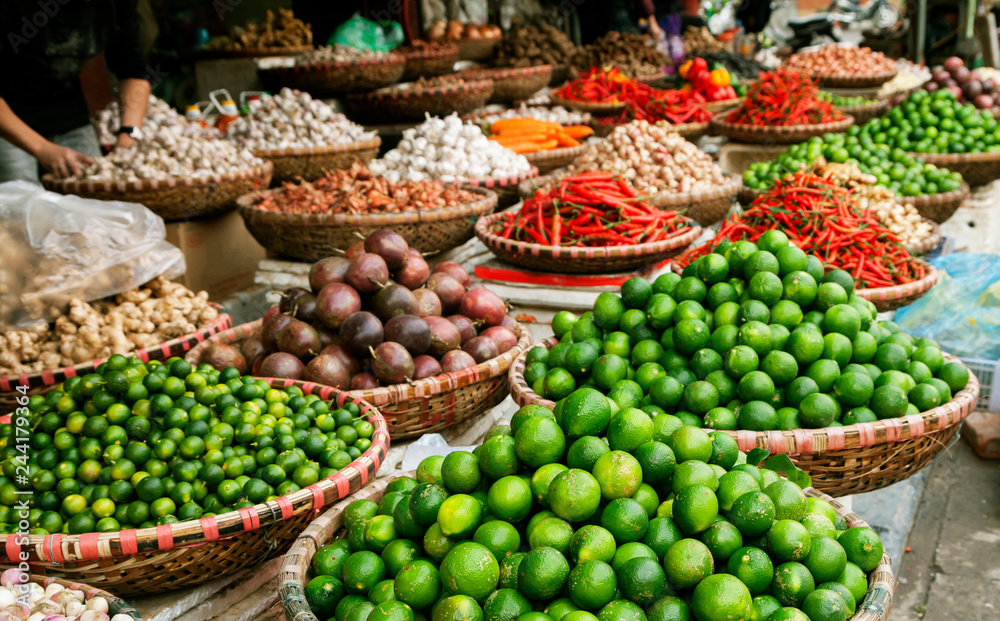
<point>556,114</point>
<point>158,114</point>
<point>448,150</point>
<point>172,147</point>
<point>654,157</point>
<point>294,120</point>
<point>21,600</point>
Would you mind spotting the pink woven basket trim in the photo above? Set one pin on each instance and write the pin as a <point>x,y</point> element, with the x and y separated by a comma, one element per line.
<point>893,429</point>
<point>835,438</point>
<point>210,526</point>
<point>747,440</point>
<point>164,537</point>
<point>88,544</point>
<point>866,434</point>
<point>286,507</point>
<point>52,544</point>
<point>129,541</point>
<point>803,440</point>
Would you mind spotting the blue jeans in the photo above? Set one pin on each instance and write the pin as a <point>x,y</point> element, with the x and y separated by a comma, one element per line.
<point>18,165</point>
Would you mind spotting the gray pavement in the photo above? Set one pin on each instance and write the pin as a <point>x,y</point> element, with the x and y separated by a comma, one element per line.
<point>952,572</point>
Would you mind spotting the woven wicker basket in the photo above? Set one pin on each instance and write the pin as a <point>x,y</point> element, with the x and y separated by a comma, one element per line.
<point>547,161</point>
<point>938,207</point>
<point>847,80</point>
<point>703,206</point>
<point>581,260</point>
<point>173,199</point>
<point>296,570</point>
<point>598,109</point>
<point>171,556</point>
<point>512,83</point>
<point>423,406</point>
<point>408,102</point>
<point>724,104</point>
<point>312,163</point>
<point>865,112</point>
<point>506,188</point>
<point>45,381</point>
<point>116,605</point>
<point>310,237</point>
<point>975,168</point>
<point>259,52</point>
<point>320,79</point>
<point>429,62</point>
<point>789,134</point>
<point>477,49</point>
<point>891,298</point>
<point>841,460</point>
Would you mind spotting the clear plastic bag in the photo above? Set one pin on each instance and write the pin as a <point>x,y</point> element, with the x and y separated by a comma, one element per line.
<point>961,312</point>
<point>55,247</point>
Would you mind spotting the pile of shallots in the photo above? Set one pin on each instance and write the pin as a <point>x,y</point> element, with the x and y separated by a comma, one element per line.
<point>21,600</point>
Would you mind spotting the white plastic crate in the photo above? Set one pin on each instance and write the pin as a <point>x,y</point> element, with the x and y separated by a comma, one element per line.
<point>988,374</point>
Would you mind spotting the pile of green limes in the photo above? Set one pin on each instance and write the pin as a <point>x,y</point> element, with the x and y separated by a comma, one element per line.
<point>136,445</point>
<point>750,336</point>
<point>593,514</point>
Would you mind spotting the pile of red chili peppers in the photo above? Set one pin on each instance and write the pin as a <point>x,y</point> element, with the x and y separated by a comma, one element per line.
<point>642,102</point>
<point>599,86</point>
<point>821,218</point>
<point>784,98</point>
<point>590,209</point>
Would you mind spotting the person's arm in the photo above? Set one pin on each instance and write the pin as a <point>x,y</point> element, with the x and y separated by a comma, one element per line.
<point>134,96</point>
<point>126,58</point>
<point>60,161</point>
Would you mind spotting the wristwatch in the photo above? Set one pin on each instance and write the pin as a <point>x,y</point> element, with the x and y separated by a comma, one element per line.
<point>131,131</point>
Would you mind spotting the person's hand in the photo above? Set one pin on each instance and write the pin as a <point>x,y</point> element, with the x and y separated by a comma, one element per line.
<point>654,28</point>
<point>62,161</point>
<point>125,141</point>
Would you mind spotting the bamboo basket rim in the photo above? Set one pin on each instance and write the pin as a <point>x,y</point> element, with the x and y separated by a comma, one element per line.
<point>724,105</point>
<point>443,50</point>
<point>398,393</point>
<point>944,159</point>
<point>740,130</point>
<point>296,565</point>
<point>253,52</point>
<point>247,205</point>
<point>875,104</point>
<point>392,58</point>
<point>684,129</point>
<point>116,605</point>
<point>84,186</point>
<point>849,80</point>
<point>499,182</point>
<point>897,292</point>
<point>59,548</point>
<point>506,73</point>
<point>607,108</point>
<point>808,441</point>
<point>50,377</point>
<point>542,157</point>
<point>359,145</point>
<point>680,238</point>
<point>406,91</point>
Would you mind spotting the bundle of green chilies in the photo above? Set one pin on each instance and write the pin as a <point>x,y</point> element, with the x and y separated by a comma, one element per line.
<point>821,218</point>
<point>783,98</point>
<point>590,209</point>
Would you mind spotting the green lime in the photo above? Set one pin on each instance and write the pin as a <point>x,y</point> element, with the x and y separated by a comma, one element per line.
<point>687,563</point>
<point>460,470</point>
<point>470,569</point>
<point>863,547</point>
<point>792,583</point>
<point>788,540</point>
<point>618,474</point>
<point>817,410</point>
<point>753,513</point>
<point>592,584</point>
<point>723,540</point>
<point>824,605</point>
<point>574,495</point>
<point>542,574</point>
<point>690,443</point>
<point>721,597</point>
<point>855,580</point>
<point>955,374</point>
<point>695,508</point>
<point>457,608</point>
<point>753,567</point>
<point>826,560</point>
<point>586,412</point>
<point>585,451</point>
<point>552,532</point>
<point>757,416</point>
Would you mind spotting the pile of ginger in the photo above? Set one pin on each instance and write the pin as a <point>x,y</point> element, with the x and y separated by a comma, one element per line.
<point>139,318</point>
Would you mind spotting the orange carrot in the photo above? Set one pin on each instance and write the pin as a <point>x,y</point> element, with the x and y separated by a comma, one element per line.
<point>523,147</point>
<point>565,140</point>
<point>548,144</point>
<point>578,131</point>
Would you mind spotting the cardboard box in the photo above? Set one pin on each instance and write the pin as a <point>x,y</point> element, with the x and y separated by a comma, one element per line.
<point>221,254</point>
